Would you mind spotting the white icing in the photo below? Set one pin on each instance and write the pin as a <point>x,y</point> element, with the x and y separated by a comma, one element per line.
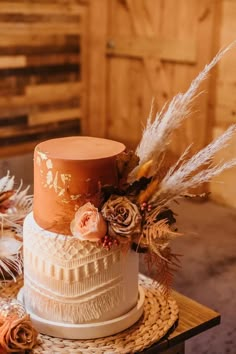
<point>76,281</point>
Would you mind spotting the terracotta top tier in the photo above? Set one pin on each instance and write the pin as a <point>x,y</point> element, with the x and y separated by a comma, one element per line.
<point>68,172</point>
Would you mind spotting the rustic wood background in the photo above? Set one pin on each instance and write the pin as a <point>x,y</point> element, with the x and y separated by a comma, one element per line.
<point>92,67</point>
<point>40,71</point>
<point>149,49</point>
<point>223,187</point>
<point>154,48</point>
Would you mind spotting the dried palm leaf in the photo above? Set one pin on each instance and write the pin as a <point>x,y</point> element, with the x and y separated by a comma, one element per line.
<point>14,206</point>
<point>10,257</point>
<point>157,236</point>
<point>20,204</point>
<point>162,269</point>
<point>6,183</point>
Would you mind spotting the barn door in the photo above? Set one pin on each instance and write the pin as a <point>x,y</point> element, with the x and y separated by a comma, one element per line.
<point>140,49</point>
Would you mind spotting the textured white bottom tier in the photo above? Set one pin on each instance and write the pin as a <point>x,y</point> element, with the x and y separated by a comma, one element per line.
<point>67,280</point>
<point>87,331</point>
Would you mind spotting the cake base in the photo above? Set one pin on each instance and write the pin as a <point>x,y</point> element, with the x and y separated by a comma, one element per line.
<point>87,330</point>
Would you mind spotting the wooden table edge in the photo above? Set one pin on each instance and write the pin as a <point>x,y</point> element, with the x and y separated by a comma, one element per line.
<point>178,335</point>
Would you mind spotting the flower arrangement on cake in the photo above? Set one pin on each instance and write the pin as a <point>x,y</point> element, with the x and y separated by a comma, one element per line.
<point>136,214</point>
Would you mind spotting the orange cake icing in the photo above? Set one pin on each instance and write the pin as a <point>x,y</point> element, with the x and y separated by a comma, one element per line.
<point>67,173</point>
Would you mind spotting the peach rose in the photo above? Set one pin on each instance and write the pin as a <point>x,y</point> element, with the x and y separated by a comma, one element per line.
<point>17,335</point>
<point>88,224</point>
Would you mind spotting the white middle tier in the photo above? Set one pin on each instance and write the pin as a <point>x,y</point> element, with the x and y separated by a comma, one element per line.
<point>76,281</point>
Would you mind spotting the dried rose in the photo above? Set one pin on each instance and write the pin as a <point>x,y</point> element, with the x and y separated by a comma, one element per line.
<point>88,224</point>
<point>123,217</point>
<point>17,335</point>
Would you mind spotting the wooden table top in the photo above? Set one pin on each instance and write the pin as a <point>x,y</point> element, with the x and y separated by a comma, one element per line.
<point>194,318</point>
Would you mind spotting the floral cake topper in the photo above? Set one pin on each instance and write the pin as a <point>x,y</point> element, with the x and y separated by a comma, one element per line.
<point>136,212</point>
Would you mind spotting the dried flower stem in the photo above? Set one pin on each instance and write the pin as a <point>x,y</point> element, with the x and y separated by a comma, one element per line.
<point>180,178</point>
<point>156,135</point>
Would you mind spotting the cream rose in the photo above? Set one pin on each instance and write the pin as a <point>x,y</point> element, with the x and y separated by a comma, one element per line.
<point>123,217</point>
<point>17,335</point>
<point>88,224</point>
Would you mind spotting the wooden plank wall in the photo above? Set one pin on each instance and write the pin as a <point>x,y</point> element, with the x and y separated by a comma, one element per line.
<point>154,49</point>
<point>40,71</point>
<point>146,49</point>
<point>223,187</point>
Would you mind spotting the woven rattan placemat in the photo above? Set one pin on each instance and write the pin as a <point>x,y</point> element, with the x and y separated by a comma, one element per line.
<point>160,315</point>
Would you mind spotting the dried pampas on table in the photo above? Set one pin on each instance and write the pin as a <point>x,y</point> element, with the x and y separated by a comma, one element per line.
<point>15,204</point>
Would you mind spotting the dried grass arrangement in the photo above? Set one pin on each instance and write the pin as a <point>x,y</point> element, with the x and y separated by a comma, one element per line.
<point>137,212</point>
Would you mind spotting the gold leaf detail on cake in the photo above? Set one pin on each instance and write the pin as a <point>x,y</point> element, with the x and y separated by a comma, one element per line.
<point>55,185</point>
<point>42,155</point>
<point>62,191</point>
<point>49,178</point>
<point>75,196</point>
<point>55,181</point>
<point>65,178</point>
<point>65,201</point>
<point>49,164</point>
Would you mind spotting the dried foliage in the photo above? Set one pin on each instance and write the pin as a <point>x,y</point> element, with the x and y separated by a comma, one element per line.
<point>183,175</point>
<point>126,162</point>
<point>162,269</point>
<point>157,235</point>
<point>11,265</point>
<point>157,134</point>
<point>163,182</point>
<point>15,204</point>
